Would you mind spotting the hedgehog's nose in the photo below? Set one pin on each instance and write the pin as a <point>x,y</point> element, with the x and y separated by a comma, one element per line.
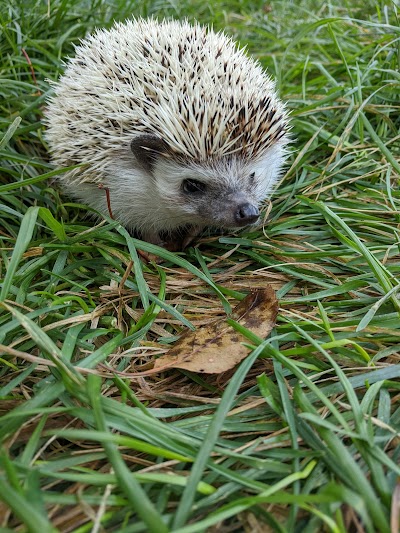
<point>246,214</point>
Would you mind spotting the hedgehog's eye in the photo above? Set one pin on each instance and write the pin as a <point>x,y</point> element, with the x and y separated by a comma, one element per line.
<point>252,176</point>
<point>193,186</point>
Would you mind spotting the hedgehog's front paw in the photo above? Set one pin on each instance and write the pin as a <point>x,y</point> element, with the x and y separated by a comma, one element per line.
<point>190,235</point>
<point>181,238</point>
<point>175,241</point>
<point>153,237</point>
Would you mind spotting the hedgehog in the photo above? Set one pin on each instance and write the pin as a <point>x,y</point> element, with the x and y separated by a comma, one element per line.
<point>182,128</point>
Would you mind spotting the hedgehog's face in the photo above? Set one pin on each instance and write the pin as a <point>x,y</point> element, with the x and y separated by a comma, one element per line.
<point>224,192</point>
<point>213,200</point>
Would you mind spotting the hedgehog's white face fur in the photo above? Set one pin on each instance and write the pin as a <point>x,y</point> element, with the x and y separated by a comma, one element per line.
<point>181,127</point>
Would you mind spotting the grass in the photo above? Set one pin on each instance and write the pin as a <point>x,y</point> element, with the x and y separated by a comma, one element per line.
<point>304,435</point>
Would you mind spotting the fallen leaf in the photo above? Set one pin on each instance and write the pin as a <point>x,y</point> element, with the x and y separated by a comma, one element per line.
<point>218,347</point>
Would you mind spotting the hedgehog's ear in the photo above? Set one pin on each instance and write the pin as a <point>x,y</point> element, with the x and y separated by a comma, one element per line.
<point>146,148</point>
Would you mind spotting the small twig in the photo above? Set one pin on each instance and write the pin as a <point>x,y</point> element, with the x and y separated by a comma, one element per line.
<point>28,59</point>
<point>107,191</point>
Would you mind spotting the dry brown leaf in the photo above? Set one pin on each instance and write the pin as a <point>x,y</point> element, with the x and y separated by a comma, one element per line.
<point>218,347</point>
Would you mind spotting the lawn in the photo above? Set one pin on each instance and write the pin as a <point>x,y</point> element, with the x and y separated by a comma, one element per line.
<point>302,436</point>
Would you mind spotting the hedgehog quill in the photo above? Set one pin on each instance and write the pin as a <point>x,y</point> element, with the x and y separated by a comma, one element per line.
<point>182,128</point>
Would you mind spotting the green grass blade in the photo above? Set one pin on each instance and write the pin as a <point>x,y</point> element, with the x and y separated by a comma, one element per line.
<point>129,486</point>
<point>21,244</point>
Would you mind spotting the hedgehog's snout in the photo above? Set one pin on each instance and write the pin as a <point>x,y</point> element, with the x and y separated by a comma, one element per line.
<point>246,214</point>
<point>230,209</point>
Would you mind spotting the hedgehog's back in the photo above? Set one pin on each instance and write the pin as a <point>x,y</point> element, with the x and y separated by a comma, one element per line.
<point>192,87</point>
